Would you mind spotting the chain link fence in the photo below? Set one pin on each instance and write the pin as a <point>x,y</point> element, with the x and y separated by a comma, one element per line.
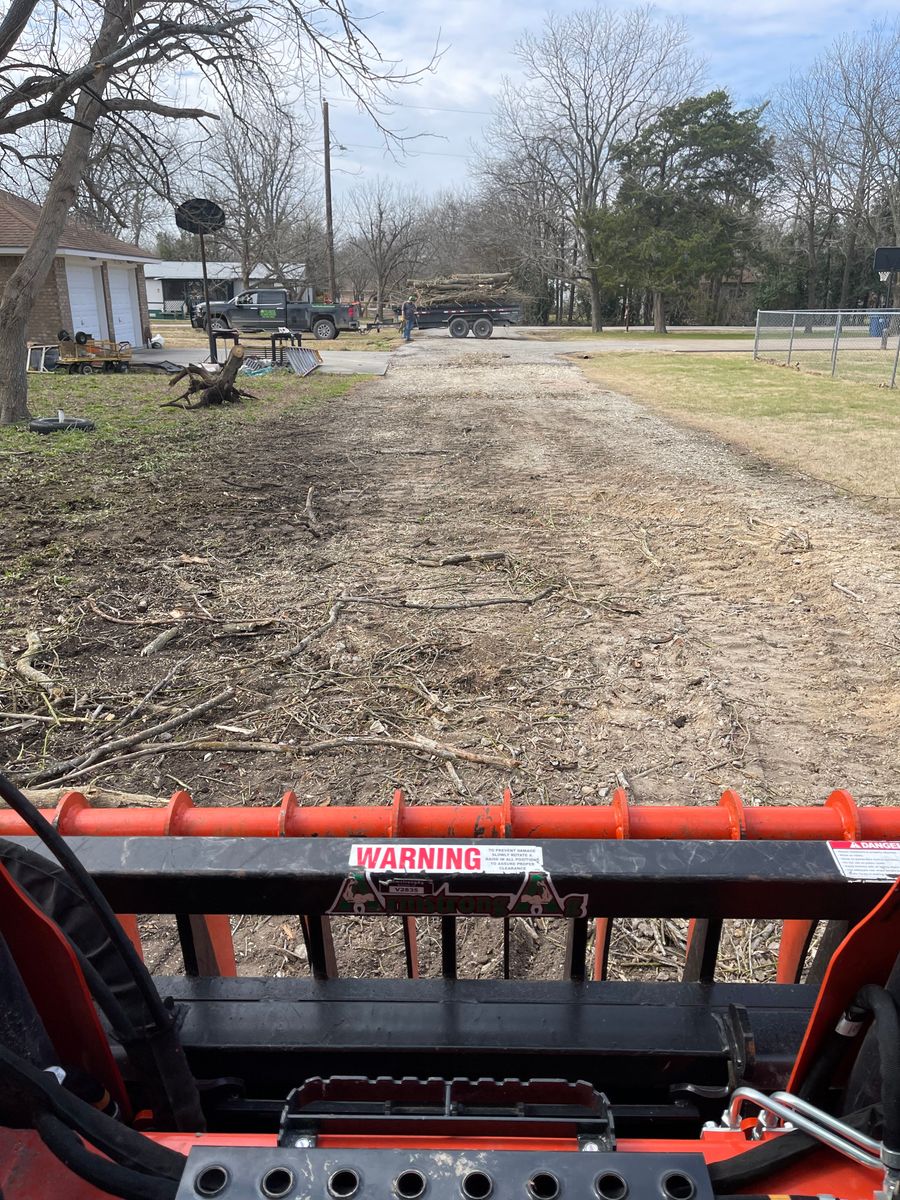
<point>860,344</point>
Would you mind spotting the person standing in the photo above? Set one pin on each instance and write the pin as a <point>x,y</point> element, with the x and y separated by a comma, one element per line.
<point>408,313</point>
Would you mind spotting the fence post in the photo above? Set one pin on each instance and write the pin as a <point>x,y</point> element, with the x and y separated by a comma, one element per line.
<point>756,339</point>
<point>896,360</point>
<point>791,342</point>
<point>837,338</point>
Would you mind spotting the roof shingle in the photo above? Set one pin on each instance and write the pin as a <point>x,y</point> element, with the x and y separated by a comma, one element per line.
<point>18,218</point>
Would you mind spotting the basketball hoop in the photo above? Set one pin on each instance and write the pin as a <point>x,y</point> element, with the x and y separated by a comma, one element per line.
<point>884,276</point>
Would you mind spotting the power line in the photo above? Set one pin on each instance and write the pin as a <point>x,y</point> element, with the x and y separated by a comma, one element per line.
<point>412,153</point>
<point>475,112</point>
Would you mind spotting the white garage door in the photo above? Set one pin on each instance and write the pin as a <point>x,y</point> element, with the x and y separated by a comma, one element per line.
<point>123,299</point>
<point>86,299</point>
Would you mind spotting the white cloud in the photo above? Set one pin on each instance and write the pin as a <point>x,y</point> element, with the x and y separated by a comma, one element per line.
<point>748,49</point>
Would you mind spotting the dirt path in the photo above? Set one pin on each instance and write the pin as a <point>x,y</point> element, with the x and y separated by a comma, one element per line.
<point>712,621</point>
<point>695,637</point>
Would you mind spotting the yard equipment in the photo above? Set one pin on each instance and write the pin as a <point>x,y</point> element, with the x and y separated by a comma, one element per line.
<point>416,1088</point>
<point>83,354</point>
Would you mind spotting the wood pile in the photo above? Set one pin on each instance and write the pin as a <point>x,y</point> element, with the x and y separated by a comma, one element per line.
<point>466,289</point>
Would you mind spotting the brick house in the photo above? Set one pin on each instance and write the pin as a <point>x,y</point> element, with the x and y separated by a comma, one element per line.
<point>96,283</point>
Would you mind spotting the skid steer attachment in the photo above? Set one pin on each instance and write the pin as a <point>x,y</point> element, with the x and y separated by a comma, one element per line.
<point>601,1084</point>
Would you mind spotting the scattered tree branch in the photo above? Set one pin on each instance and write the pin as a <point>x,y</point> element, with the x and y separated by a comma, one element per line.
<point>62,770</point>
<point>30,673</point>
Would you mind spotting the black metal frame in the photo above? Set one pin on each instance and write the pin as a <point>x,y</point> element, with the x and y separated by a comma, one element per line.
<point>707,881</point>
<point>664,1053</point>
<point>667,1050</point>
<point>627,878</point>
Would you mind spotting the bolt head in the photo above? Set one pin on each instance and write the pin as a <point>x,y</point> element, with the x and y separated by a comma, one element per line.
<point>303,1143</point>
<point>590,1146</point>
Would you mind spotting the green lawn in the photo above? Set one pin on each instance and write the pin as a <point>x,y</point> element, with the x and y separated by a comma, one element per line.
<point>128,412</point>
<point>839,430</point>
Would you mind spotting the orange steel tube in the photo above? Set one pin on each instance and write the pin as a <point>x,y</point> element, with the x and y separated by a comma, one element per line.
<point>838,819</point>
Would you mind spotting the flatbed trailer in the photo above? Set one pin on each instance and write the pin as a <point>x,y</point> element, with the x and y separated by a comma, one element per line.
<point>461,319</point>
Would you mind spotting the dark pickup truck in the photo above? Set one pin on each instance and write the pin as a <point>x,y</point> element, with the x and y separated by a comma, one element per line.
<point>271,308</point>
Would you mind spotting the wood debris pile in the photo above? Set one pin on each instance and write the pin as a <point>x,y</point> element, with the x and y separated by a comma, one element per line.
<point>496,287</point>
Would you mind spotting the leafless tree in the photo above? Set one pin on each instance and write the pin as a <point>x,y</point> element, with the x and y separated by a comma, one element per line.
<point>528,226</point>
<point>866,73</point>
<point>388,231</point>
<point>111,59</point>
<point>591,78</point>
<point>838,130</point>
<point>809,134</point>
<point>354,269</point>
<point>260,171</point>
<point>857,82</point>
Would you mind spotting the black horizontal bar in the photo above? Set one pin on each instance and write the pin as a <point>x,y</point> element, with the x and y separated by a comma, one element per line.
<point>625,878</point>
<point>611,1033</point>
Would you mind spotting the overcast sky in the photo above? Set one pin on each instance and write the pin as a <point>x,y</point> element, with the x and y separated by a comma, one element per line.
<point>749,47</point>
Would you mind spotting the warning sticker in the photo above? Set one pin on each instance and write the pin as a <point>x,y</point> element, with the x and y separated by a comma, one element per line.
<point>436,879</point>
<point>874,861</point>
<point>442,859</point>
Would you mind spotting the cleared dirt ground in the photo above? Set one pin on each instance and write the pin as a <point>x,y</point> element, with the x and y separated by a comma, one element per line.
<point>660,611</point>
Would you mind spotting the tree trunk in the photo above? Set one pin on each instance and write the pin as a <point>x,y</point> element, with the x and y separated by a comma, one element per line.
<point>812,267</point>
<point>594,281</point>
<point>850,248</point>
<point>29,277</point>
<point>379,301</point>
<point>848,264</point>
<point>659,313</point>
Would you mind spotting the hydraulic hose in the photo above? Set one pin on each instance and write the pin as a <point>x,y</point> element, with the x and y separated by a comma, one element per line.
<point>161,1052</point>
<point>880,1004</point>
<point>26,1093</point>
<point>883,1007</point>
<point>108,1177</point>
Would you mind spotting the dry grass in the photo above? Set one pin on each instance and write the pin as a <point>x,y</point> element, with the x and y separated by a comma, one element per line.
<point>181,335</point>
<point>866,363</point>
<point>842,431</point>
<point>571,333</point>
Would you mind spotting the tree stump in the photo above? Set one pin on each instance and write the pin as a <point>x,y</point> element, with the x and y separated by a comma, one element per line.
<point>211,390</point>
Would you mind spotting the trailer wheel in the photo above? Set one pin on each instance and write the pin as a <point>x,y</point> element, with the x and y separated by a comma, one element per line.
<point>85,369</point>
<point>459,327</point>
<point>483,327</point>
<point>324,330</point>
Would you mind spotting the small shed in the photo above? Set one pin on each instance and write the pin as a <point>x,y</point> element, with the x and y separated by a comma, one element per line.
<point>96,283</point>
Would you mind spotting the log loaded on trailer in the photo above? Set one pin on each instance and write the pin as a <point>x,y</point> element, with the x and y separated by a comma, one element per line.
<point>466,304</point>
<point>780,1080</point>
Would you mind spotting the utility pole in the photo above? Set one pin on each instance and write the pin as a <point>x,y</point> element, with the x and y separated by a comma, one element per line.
<point>329,224</point>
